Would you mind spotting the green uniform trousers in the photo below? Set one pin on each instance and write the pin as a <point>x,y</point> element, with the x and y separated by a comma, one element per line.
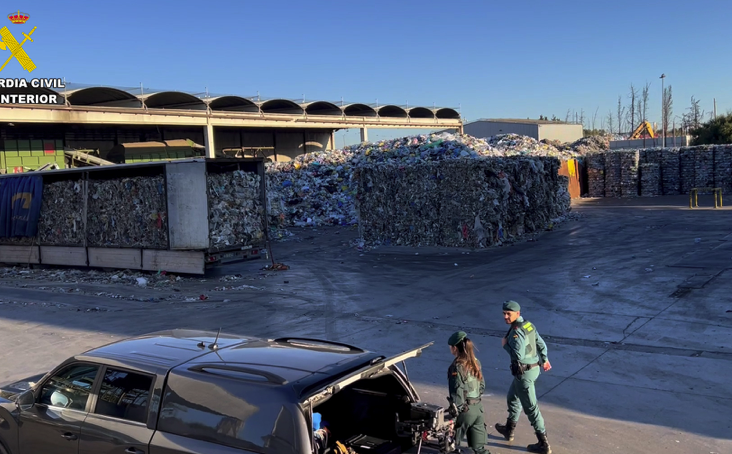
<point>472,424</point>
<point>522,394</point>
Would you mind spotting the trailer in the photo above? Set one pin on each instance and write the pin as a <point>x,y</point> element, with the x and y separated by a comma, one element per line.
<point>179,216</point>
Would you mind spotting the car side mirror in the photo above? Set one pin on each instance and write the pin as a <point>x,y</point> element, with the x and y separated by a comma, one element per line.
<point>26,400</point>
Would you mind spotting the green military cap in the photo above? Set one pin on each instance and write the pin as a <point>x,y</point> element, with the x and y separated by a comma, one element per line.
<point>512,306</point>
<point>456,338</point>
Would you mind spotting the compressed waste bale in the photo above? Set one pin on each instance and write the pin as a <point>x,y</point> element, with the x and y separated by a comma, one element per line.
<point>236,213</point>
<point>317,188</point>
<point>62,214</point>
<point>687,169</point>
<point>704,166</point>
<point>613,172</point>
<point>650,179</point>
<point>671,171</point>
<point>723,168</point>
<point>596,174</point>
<point>460,203</point>
<point>127,212</point>
<point>629,173</point>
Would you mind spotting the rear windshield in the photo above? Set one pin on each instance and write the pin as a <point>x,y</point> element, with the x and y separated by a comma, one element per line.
<point>223,409</point>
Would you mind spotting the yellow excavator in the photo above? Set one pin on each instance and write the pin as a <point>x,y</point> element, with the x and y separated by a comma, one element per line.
<point>644,127</point>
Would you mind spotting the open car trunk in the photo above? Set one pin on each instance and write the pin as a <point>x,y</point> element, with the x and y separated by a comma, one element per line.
<point>363,416</point>
<point>374,410</point>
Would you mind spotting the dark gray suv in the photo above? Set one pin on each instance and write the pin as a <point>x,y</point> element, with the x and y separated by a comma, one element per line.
<point>183,391</point>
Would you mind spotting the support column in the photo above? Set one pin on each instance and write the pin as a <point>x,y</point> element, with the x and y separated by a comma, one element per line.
<point>208,134</point>
<point>331,141</point>
<point>364,135</point>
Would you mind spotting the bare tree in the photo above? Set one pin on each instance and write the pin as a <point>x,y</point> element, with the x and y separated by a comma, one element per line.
<point>610,124</point>
<point>621,110</point>
<point>695,117</point>
<point>668,107</point>
<point>594,117</point>
<point>633,95</point>
<point>566,119</point>
<point>639,109</point>
<point>582,118</point>
<point>646,91</point>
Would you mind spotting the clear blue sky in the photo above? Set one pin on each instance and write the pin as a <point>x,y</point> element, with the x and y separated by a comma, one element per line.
<point>515,59</point>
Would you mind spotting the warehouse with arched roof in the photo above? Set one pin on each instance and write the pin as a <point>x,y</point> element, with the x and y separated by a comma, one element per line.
<point>100,117</point>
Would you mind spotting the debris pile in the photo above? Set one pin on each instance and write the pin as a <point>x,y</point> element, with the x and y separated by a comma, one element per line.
<point>613,171</point>
<point>318,188</point>
<point>61,221</point>
<point>473,203</point>
<point>128,212</point>
<point>313,189</point>
<point>659,171</point>
<point>670,172</point>
<point>596,174</point>
<point>236,215</point>
<point>629,173</point>
<point>650,181</point>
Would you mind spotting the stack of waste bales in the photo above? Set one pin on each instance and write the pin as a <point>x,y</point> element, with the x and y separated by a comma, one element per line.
<point>236,214</point>
<point>462,202</point>
<point>127,212</point>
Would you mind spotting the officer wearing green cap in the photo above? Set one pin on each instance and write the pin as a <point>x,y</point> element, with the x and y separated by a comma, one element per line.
<point>528,352</point>
<point>466,382</point>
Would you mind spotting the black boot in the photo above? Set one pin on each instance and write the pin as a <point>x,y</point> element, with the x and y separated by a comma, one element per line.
<point>507,430</point>
<point>542,447</point>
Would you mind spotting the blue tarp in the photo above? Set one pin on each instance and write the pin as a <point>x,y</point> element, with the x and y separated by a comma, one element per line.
<point>20,206</point>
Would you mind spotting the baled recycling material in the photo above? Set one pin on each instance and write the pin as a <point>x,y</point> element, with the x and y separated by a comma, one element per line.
<point>659,171</point>
<point>318,188</point>
<point>236,215</point>
<point>127,212</point>
<point>465,202</point>
<point>62,214</point>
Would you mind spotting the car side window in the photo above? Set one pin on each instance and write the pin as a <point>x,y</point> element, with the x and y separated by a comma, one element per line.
<point>124,395</point>
<point>70,387</point>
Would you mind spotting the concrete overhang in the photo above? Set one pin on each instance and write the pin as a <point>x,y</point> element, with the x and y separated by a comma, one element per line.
<point>233,104</point>
<point>447,113</point>
<point>359,110</point>
<point>173,100</point>
<point>322,108</point>
<point>281,106</point>
<point>102,96</point>
<point>421,112</point>
<point>392,111</point>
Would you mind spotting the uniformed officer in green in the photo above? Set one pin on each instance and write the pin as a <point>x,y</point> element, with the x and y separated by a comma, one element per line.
<point>528,352</point>
<point>466,383</point>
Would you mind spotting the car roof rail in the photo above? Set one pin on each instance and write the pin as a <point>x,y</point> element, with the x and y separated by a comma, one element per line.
<point>318,343</point>
<point>212,367</point>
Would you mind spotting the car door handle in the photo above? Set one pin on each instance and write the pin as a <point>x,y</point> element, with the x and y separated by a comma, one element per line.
<point>134,451</point>
<point>69,436</point>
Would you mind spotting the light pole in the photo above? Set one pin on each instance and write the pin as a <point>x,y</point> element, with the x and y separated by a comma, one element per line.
<point>663,122</point>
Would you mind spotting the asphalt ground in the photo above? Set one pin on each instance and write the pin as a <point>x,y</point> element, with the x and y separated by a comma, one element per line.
<point>634,300</point>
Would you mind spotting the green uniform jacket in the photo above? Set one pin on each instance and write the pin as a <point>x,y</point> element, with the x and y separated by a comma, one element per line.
<point>517,341</point>
<point>462,385</point>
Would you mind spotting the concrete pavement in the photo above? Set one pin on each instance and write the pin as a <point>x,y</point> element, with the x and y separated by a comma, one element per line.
<point>632,300</point>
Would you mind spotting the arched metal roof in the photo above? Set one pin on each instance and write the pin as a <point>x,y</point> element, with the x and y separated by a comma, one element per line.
<point>282,106</point>
<point>233,103</point>
<point>392,111</point>
<point>32,91</point>
<point>447,113</point>
<point>102,97</point>
<point>359,110</point>
<point>173,100</point>
<point>323,108</point>
<point>421,112</point>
